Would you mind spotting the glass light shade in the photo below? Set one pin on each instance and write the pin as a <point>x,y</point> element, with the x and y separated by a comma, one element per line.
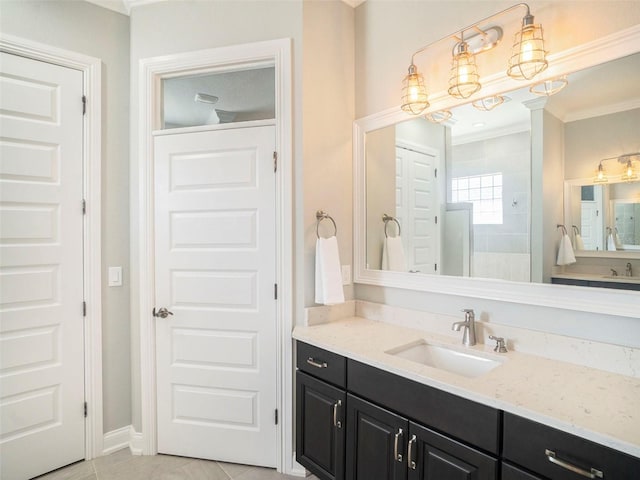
<point>414,93</point>
<point>549,87</point>
<point>440,116</point>
<point>488,103</point>
<point>601,175</point>
<point>463,81</point>
<point>629,174</point>
<point>528,57</point>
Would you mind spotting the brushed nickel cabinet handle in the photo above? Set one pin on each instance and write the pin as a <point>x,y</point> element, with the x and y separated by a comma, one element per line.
<point>336,423</point>
<point>318,364</point>
<point>593,473</point>
<point>397,456</point>
<point>412,462</point>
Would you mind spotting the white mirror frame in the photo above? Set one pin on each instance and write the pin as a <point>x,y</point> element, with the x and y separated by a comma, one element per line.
<point>609,302</point>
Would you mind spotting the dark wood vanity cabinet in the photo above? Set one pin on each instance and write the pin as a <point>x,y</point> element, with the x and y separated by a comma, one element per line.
<point>344,431</point>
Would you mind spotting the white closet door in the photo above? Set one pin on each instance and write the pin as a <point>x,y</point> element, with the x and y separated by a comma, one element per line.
<point>41,327</point>
<point>216,272</point>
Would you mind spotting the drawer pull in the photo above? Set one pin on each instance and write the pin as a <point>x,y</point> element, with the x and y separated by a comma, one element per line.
<point>412,462</point>
<point>396,455</point>
<point>593,473</point>
<point>336,423</point>
<point>314,363</point>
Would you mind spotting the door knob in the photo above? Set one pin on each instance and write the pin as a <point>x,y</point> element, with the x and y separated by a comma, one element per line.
<point>162,313</point>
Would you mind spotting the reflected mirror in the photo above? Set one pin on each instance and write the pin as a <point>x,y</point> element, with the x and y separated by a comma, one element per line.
<point>455,198</point>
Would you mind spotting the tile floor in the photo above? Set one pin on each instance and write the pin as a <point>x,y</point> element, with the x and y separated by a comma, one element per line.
<point>122,465</point>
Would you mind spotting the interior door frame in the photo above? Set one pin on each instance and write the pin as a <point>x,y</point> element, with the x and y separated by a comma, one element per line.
<point>92,251</point>
<point>151,72</point>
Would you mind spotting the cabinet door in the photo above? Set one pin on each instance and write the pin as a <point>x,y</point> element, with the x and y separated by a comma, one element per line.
<point>376,442</point>
<point>432,456</point>
<point>320,432</point>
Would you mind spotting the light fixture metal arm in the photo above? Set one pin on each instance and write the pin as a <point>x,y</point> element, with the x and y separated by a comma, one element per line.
<point>473,25</point>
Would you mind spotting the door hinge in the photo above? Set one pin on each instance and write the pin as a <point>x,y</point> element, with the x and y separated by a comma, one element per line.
<point>276,416</point>
<point>86,409</point>
<point>84,309</point>
<point>84,104</point>
<point>275,162</point>
<point>275,291</point>
<point>84,207</point>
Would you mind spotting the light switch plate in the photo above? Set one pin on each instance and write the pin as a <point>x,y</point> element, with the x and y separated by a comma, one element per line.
<point>115,276</point>
<point>346,274</point>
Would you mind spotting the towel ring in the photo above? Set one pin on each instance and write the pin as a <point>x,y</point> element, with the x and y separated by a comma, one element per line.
<point>321,215</point>
<point>564,229</point>
<point>386,219</point>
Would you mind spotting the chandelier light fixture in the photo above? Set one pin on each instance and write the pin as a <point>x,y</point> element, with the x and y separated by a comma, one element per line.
<point>489,103</point>
<point>549,87</point>
<point>440,116</point>
<point>528,59</point>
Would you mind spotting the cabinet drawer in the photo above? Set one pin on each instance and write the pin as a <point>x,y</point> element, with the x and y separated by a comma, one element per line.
<point>322,364</point>
<point>458,417</point>
<point>509,472</point>
<point>530,444</point>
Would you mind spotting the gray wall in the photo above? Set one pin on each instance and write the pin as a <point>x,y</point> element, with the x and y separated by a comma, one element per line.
<point>85,28</point>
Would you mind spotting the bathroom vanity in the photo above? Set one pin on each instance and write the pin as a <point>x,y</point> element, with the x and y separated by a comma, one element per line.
<point>365,410</point>
<point>601,281</point>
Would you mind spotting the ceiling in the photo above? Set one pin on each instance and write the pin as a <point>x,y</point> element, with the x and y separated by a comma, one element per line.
<point>607,88</point>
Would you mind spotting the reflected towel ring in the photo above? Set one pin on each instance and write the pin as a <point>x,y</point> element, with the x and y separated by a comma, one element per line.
<point>321,215</point>
<point>576,230</point>
<point>386,219</point>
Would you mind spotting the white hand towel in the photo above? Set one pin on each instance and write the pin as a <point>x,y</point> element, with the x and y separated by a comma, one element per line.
<point>611,243</point>
<point>393,255</point>
<point>328,277</point>
<point>565,252</point>
<point>579,242</point>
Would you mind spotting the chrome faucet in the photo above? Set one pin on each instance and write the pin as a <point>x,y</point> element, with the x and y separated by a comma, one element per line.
<point>614,273</point>
<point>627,272</point>
<point>469,325</point>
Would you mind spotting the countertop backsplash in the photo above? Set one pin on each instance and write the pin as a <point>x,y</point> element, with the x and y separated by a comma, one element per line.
<point>602,356</point>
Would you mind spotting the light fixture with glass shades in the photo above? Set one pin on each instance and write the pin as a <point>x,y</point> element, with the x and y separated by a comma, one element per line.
<point>549,87</point>
<point>487,104</point>
<point>414,92</point>
<point>464,79</point>
<point>527,60</point>
<point>628,172</point>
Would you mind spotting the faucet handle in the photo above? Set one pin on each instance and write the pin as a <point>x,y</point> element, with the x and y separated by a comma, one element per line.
<point>500,344</point>
<point>469,314</point>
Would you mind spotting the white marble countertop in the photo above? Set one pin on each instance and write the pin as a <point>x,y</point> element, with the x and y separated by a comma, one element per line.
<point>597,405</point>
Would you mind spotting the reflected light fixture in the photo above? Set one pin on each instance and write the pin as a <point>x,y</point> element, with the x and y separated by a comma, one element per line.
<point>488,103</point>
<point>414,93</point>
<point>629,174</point>
<point>464,79</point>
<point>549,87</point>
<point>440,116</point>
<point>205,98</point>
<point>528,59</point>
<point>601,175</point>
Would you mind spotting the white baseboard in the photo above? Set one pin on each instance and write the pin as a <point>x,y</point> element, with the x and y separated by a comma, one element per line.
<point>115,440</point>
<point>135,441</point>
<point>296,470</point>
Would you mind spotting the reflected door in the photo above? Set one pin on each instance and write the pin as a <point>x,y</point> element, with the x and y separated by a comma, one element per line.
<point>416,208</point>
<point>216,272</point>
<point>591,220</point>
<point>41,273</point>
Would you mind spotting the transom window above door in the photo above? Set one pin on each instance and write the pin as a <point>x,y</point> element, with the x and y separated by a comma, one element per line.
<point>218,97</point>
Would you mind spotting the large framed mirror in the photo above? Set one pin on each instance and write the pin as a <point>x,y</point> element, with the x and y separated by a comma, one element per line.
<point>465,200</point>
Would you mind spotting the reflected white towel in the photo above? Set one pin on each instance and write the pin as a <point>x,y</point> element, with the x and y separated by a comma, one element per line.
<point>393,255</point>
<point>565,252</point>
<point>616,240</point>
<point>328,277</point>
<point>579,242</point>
<point>611,243</point>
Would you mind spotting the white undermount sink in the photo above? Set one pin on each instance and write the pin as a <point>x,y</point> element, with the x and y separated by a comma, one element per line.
<point>468,364</point>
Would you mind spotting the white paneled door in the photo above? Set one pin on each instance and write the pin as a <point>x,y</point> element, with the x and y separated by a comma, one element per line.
<point>41,284</point>
<point>216,352</point>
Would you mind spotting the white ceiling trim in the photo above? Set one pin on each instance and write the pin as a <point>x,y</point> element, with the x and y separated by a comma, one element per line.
<point>123,6</point>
